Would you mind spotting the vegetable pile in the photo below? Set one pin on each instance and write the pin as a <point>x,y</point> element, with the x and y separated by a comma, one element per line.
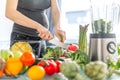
<point>70,62</point>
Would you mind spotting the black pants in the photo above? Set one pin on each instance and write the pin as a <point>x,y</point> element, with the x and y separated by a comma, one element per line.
<point>38,48</point>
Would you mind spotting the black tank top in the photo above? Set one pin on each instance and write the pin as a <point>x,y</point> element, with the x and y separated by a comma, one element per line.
<point>34,9</point>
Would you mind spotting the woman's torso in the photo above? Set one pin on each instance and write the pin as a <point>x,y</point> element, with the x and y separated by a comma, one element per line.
<point>34,9</point>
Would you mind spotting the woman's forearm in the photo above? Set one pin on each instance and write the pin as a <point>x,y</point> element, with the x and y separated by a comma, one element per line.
<point>55,13</point>
<point>20,19</point>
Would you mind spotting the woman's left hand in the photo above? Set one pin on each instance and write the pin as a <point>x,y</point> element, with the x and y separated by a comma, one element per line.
<point>60,34</point>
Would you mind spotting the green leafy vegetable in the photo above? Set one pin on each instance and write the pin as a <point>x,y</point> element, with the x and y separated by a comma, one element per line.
<point>48,53</point>
<point>53,52</point>
<point>57,52</point>
<point>80,57</point>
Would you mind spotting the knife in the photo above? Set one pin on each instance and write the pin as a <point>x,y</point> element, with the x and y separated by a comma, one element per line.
<point>58,43</point>
<point>53,41</point>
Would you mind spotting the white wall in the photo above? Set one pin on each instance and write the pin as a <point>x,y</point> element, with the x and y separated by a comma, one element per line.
<point>5,24</point>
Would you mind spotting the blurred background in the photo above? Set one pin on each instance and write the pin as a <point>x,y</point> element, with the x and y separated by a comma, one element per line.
<point>73,14</point>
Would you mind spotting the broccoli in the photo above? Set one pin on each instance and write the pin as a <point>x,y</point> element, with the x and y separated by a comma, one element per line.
<point>57,52</point>
<point>48,53</point>
<point>80,57</point>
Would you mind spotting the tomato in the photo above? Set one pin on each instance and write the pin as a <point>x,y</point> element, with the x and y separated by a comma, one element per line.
<point>27,58</point>
<point>72,47</point>
<point>50,69</point>
<point>58,62</point>
<point>49,66</point>
<point>42,63</point>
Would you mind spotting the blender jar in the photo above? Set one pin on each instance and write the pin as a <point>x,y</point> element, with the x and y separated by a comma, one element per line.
<point>104,19</point>
<point>104,15</point>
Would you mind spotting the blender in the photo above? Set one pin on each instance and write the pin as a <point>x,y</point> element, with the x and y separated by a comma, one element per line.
<point>104,18</point>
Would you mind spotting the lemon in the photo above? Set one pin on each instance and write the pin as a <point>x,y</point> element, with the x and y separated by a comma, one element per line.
<point>21,46</point>
<point>36,72</point>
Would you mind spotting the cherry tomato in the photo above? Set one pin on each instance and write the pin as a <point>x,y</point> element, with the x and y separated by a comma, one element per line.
<point>50,69</point>
<point>49,66</point>
<point>58,62</point>
<point>42,63</point>
<point>72,47</point>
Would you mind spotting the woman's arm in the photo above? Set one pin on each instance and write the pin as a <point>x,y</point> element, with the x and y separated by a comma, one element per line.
<point>60,34</point>
<point>55,13</point>
<point>16,16</point>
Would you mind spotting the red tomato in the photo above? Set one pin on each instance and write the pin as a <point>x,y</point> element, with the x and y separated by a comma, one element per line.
<point>49,66</point>
<point>27,58</point>
<point>50,69</point>
<point>72,47</point>
<point>58,62</point>
<point>41,63</point>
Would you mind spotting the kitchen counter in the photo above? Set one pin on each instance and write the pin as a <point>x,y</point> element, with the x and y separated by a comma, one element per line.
<point>24,77</point>
<point>58,75</point>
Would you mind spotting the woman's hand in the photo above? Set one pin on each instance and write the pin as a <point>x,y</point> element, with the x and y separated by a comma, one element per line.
<point>60,34</point>
<point>44,33</point>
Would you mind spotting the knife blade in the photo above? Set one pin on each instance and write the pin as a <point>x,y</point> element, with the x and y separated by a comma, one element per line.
<point>58,43</point>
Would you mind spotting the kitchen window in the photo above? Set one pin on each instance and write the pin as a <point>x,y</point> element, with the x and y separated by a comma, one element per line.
<point>73,14</point>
